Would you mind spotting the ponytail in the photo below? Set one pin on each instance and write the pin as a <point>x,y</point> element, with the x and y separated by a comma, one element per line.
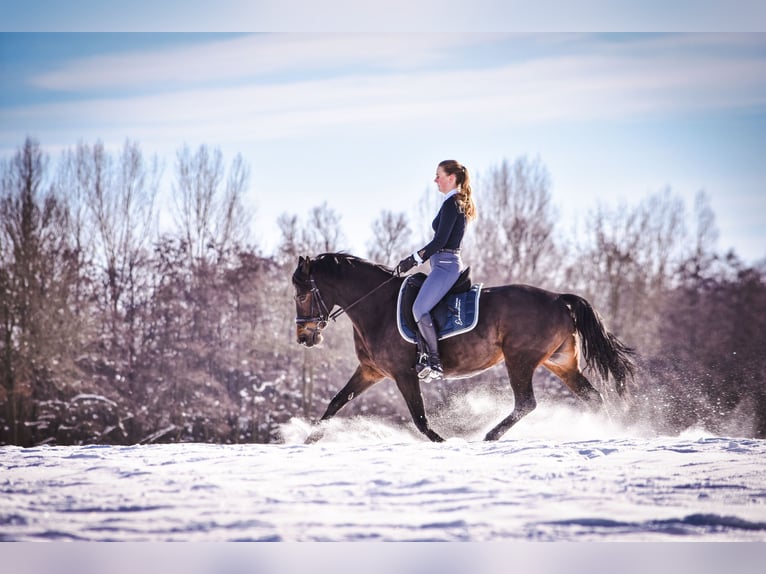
<point>464,193</point>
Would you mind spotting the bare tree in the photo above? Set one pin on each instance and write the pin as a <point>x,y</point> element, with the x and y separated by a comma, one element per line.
<point>233,219</point>
<point>320,233</point>
<point>391,237</point>
<point>72,185</point>
<point>628,262</point>
<point>664,216</point>
<point>120,193</point>
<point>291,244</point>
<point>120,196</point>
<point>513,240</point>
<point>209,209</point>
<point>36,270</point>
<point>323,231</point>
<point>610,263</point>
<point>701,256</point>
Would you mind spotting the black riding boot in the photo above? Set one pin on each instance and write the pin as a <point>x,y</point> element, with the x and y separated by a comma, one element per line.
<point>429,365</point>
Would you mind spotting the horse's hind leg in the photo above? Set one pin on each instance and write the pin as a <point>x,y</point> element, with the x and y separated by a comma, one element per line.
<point>524,398</point>
<point>564,364</point>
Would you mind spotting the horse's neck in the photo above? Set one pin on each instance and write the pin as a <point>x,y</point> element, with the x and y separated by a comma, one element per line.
<point>355,290</point>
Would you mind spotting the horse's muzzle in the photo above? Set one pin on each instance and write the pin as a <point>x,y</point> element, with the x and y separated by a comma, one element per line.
<point>309,334</point>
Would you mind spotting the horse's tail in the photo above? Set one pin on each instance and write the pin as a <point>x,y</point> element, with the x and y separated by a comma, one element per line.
<point>601,349</point>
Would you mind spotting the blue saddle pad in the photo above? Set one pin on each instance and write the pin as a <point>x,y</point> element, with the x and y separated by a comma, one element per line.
<point>455,314</point>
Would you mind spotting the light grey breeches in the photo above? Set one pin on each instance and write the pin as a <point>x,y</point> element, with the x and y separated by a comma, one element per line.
<point>445,269</point>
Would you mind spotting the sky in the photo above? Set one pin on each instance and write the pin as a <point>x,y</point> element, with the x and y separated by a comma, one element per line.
<point>360,119</point>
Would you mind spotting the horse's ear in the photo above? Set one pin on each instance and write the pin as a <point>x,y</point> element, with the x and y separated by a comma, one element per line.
<point>303,265</point>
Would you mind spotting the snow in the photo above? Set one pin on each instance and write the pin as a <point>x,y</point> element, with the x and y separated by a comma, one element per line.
<point>560,475</point>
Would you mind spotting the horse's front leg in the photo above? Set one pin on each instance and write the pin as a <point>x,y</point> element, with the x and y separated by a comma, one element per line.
<point>362,379</point>
<point>409,386</point>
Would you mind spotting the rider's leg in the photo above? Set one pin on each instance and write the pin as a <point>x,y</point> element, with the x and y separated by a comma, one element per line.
<point>429,365</point>
<point>445,269</point>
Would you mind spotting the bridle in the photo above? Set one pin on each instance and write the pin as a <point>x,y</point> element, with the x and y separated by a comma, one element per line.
<point>319,312</point>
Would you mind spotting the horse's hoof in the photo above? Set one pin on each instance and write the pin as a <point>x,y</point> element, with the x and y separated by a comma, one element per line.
<point>314,436</point>
<point>434,437</point>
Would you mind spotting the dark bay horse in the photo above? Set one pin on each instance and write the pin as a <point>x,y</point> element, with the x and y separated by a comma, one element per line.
<point>522,325</point>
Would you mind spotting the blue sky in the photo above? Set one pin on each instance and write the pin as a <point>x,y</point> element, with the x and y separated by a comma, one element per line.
<point>361,120</point>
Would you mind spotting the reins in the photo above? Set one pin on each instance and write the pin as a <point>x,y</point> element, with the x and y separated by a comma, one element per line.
<point>324,314</point>
<point>342,310</point>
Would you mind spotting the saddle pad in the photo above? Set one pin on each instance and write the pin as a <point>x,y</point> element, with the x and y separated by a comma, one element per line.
<point>455,314</point>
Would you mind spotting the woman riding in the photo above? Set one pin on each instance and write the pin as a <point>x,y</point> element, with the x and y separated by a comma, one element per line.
<point>443,253</point>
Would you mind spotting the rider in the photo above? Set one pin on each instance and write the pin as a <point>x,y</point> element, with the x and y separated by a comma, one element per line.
<point>443,253</point>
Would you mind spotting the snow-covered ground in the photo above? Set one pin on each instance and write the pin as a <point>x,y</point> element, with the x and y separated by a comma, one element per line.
<point>560,475</point>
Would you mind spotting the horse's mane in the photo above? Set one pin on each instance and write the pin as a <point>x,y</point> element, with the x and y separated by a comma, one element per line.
<point>338,262</point>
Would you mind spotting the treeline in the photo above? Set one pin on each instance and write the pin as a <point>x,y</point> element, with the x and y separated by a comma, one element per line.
<point>117,329</point>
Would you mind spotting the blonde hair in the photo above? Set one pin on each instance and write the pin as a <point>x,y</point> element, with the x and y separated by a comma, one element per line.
<point>463,181</point>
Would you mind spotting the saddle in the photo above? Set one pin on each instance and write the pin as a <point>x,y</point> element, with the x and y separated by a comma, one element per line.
<point>456,313</point>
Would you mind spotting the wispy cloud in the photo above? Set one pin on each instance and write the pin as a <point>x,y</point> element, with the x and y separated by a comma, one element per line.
<point>620,81</point>
<point>251,58</point>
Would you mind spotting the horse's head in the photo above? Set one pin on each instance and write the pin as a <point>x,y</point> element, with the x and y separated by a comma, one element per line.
<point>311,312</point>
<point>345,281</point>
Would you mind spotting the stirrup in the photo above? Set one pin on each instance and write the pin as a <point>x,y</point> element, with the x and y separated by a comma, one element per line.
<point>428,371</point>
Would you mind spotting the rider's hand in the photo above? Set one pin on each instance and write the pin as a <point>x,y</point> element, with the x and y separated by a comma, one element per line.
<point>406,264</point>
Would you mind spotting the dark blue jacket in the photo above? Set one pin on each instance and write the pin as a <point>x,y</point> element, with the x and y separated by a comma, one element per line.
<point>449,228</point>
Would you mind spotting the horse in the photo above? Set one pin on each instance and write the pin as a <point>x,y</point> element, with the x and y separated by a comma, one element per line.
<point>524,326</point>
